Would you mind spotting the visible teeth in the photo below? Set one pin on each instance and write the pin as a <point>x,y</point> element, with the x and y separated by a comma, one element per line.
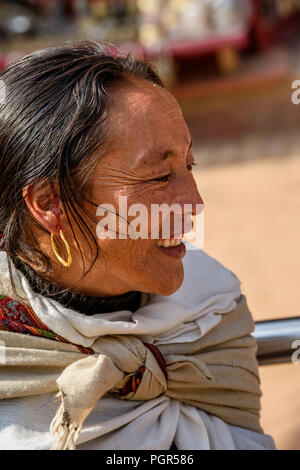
<point>169,243</point>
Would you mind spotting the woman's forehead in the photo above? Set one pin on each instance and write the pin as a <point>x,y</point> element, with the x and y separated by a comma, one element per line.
<point>145,111</point>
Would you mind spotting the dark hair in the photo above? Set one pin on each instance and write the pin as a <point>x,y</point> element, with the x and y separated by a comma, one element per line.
<point>52,120</point>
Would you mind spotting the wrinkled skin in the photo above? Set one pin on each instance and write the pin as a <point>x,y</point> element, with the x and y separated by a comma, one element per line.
<point>148,140</point>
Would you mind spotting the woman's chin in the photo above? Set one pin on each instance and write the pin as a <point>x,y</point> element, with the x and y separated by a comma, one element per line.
<point>170,284</point>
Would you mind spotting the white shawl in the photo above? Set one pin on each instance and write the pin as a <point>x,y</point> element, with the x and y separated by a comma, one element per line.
<point>208,292</point>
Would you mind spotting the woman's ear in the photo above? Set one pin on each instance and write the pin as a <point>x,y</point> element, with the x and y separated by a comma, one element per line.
<point>39,200</point>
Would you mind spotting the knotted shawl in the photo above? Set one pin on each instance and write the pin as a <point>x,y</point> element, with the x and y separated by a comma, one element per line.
<point>217,373</point>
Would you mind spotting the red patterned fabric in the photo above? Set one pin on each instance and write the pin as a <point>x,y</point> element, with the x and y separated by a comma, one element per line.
<point>18,318</point>
<point>159,357</point>
<point>133,383</point>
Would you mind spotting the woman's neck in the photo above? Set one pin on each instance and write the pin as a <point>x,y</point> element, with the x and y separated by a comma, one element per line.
<point>75,300</point>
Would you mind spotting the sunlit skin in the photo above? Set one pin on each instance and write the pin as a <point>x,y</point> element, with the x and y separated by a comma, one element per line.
<point>148,158</point>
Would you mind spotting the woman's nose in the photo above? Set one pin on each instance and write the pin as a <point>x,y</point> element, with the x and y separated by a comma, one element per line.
<point>193,198</point>
<point>198,206</point>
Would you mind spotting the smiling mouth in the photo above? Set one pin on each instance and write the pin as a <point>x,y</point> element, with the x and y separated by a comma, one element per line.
<point>169,243</point>
<point>172,247</point>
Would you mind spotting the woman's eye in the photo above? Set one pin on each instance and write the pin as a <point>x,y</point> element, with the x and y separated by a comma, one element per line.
<point>163,178</point>
<point>190,166</point>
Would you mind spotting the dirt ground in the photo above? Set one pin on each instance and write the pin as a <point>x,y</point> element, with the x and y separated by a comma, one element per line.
<point>247,146</point>
<point>252,226</point>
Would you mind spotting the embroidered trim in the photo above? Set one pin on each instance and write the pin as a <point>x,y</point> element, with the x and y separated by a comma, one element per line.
<point>134,381</point>
<point>19,318</point>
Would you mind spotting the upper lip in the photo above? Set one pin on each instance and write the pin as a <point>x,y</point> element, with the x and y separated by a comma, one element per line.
<point>177,237</point>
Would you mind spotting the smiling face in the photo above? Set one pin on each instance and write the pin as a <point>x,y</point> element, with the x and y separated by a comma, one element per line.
<point>149,160</point>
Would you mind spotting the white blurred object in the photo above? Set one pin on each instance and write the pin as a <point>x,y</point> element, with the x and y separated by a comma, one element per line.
<point>195,19</point>
<point>19,24</point>
<point>230,16</point>
<point>203,19</point>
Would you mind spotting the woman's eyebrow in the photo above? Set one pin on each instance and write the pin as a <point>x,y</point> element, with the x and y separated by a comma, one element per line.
<point>169,153</point>
<point>160,154</point>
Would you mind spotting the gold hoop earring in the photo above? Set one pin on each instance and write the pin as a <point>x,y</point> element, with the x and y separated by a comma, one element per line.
<point>60,259</point>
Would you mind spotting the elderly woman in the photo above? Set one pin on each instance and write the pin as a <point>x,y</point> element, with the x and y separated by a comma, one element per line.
<point>111,342</point>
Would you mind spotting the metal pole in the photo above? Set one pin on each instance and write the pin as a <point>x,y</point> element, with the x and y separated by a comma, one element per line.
<point>276,340</point>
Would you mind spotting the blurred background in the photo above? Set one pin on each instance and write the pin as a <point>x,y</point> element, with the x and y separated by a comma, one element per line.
<point>231,64</point>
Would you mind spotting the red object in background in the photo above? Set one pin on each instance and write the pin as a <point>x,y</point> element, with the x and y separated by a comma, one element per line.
<point>4,62</point>
<point>70,8</point>
<point>264,33</point>
<point>259,33</point>
<point>198,47</point>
